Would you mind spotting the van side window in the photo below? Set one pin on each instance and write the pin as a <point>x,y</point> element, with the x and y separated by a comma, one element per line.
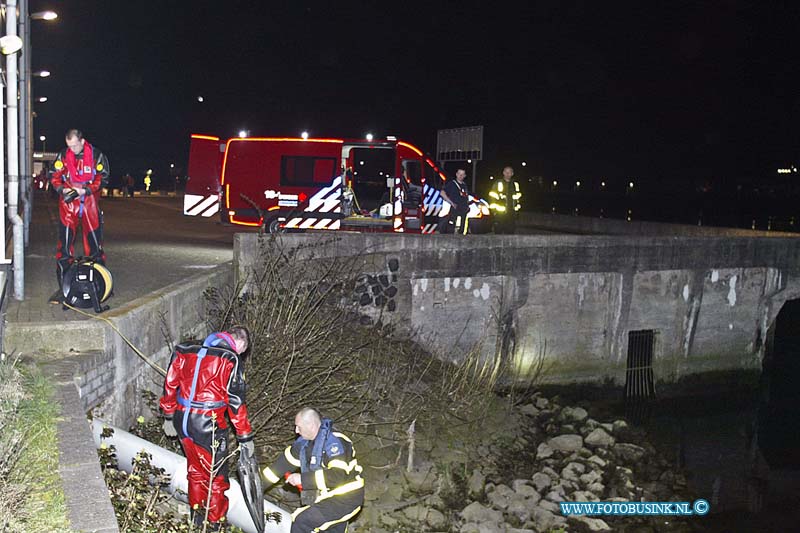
<point>302,171</point>
<point>432,177</point>
<point>414,170</point>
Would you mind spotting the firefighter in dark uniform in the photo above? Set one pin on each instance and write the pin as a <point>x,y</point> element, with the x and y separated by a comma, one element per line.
<point>78,174</point>
<point>203,384</point>
<point>505,206</point>
<point>329,478</point>
<point>456,194</point>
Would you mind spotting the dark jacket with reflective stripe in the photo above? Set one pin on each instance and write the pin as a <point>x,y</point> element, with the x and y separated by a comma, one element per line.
<point>220,380</point>
<point>339,475</point>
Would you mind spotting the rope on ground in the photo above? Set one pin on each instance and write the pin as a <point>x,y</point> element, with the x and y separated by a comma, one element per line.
<point>138,352</point>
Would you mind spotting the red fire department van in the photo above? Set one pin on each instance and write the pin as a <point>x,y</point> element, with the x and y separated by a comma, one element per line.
<point>285,183</point>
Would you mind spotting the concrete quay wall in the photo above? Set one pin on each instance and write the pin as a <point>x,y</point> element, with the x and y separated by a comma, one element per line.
<point>571,300</point>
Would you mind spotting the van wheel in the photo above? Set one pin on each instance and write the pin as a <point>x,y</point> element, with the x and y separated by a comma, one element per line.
<point>273,226</point>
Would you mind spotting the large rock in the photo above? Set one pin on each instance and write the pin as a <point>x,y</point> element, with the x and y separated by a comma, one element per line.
<point>592,524</point>
<point>529,410</point>
<point>590,477</point>
<point>524,490</point>
<point>544,451</point>
<point>475,512</point>
<point>421,480</point>
<point>574,414</point>
<point>599,437</point>
<point>432,517</point>
<point>573,471</point>
<point>476,483</point>
<point>542,403</point>
<point>498,500</point>
<point>595,460</point>
<point>541,481</point>
<point>627,452</point>
<point>545,520</point>
<point>520,509</point>
<point>566,443</point>
<point>584,496</point>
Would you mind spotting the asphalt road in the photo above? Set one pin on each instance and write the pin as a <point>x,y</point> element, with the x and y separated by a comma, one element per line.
<point>148,242</point>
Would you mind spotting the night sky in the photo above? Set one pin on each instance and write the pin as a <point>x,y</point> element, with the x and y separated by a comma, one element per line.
<point>663,92</point>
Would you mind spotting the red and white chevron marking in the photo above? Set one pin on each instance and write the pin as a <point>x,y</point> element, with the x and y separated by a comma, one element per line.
<point>196,204</point>
<point>326,200</point>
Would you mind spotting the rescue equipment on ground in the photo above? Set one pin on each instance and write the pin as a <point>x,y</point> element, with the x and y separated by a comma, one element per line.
<point>87,284</point>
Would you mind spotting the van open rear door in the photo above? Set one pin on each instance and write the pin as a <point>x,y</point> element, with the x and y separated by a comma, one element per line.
<point>202,186</point>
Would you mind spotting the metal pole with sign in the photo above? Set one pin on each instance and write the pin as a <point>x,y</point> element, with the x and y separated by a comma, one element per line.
<point>460,144</point>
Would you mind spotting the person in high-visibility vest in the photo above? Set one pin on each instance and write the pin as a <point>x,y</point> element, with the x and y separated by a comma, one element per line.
<point>506,195</point>
<point>329,478</point>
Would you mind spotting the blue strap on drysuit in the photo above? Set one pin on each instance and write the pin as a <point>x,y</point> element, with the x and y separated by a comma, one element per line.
<point>211,340</point>
<point>310,464</point>
<point>80,210</point>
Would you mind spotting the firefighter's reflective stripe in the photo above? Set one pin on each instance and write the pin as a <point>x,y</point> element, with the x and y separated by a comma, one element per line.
<point>271,476</point>
<point>298,511</point>
<point>319,479</point>
<point>347,467</point>
<point>500,197</point>
<point>327,525</point>
<point>342,489</point>
<point>291,458</point>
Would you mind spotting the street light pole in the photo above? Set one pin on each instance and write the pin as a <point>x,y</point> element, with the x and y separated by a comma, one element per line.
<point>12,142</point>
<point>25,120</point>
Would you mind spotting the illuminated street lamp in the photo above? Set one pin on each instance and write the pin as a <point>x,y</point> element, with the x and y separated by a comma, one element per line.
<point>42,99</point>
<point>304,135</point>
<point>630,185</point>
<point>524,164</point>
<point>44,15</point>
<point>41,74</point>
<point>555,183</point>
<point>369,137</point>
<point>242,134</point>
<point>200,99</point>
<point>44,142</point>
<point>602,183</point>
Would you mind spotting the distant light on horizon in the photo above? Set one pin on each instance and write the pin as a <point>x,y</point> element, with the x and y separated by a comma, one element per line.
<point>602,183</point>
<point>630,184</point>
<point>369,137</point>
<point>242,134</point>
<point>524,164</point>
<point>200,99</point>
<point>555,183</point>
<point>304,135</point>
<point>42,138</point>
<point>577,183</point>
<point>42,99</point>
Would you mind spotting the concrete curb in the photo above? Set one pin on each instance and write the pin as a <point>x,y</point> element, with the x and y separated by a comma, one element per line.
<point>86,496</point>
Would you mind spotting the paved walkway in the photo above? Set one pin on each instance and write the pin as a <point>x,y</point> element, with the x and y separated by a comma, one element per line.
<point>149,245</point>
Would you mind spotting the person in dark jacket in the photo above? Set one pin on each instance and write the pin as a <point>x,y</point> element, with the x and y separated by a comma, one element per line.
<point>456,194</point>
<point>205,383</point>
<point>322,464</point>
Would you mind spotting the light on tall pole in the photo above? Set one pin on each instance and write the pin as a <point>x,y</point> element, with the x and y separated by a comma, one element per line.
<point>44,142</point>
<point>26,105</point>
<point>13,155</point>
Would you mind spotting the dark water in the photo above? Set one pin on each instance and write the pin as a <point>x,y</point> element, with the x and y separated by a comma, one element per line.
<point>746,208</point>
<point>737,442</point>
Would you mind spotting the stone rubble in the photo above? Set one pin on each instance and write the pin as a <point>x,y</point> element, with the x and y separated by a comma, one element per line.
<point>557,455</point>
